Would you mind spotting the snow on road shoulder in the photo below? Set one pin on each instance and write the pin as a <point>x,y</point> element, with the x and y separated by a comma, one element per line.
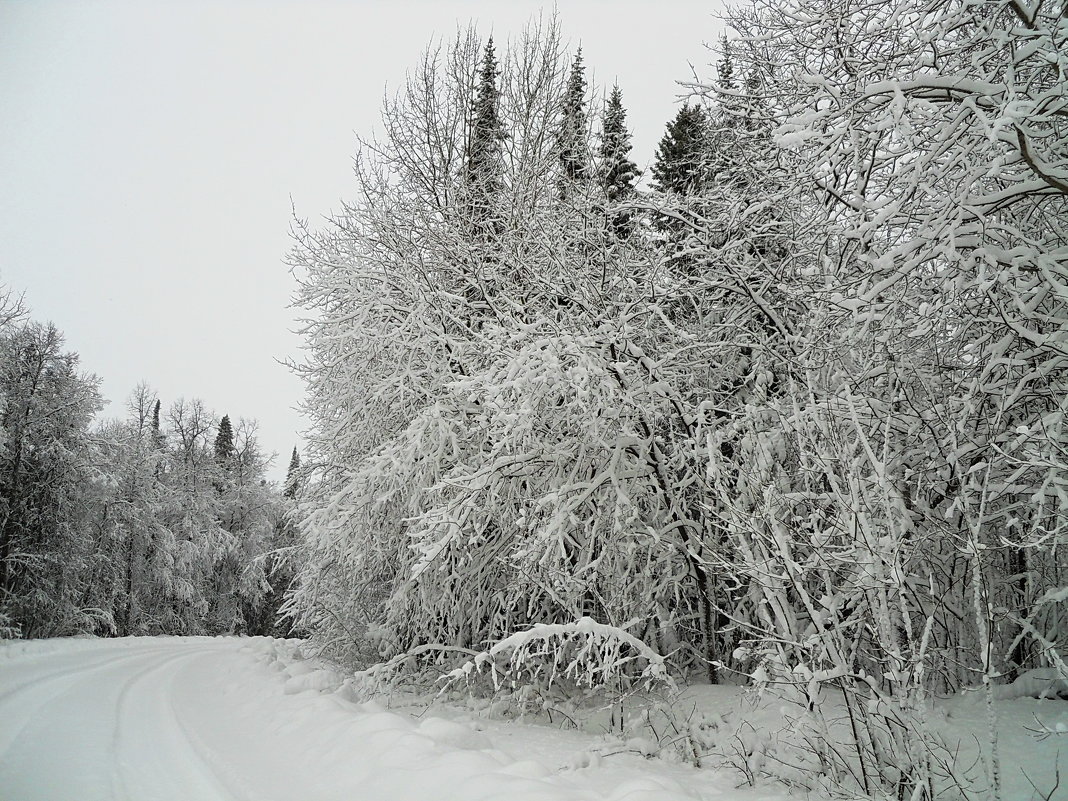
<point>395,755</point>
<point>225,719</point>
<point>1032,738</point>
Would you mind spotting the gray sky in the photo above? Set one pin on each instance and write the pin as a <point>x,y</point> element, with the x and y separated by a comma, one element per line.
<point>149,152</point>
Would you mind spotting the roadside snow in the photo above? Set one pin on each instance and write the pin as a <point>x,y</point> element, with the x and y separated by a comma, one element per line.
<point>203,719</point>
<point>225,719</point>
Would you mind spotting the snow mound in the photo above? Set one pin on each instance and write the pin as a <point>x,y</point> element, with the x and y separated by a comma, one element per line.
<point>299,668</point>
<point>447,732</point>
<point>526,769</point>
<point>1037,683</point>
<point>318,680</point>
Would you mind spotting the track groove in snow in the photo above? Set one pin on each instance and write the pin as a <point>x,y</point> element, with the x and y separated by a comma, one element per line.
<point>95,722</point>
<point>169,750</point>
<point>20,704</point>
<point>73,672</point>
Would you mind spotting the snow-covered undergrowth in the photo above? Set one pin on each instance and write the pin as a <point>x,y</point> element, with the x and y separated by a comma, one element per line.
<point>583,653</point>
<point>763,740</point>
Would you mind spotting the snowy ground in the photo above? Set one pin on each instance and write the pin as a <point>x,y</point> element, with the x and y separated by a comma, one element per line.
<point>203,719</point>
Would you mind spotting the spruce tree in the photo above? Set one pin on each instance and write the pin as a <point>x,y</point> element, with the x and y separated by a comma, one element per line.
<point>292,475</point>
<point>157,434</point>
<point>574,164</point>
<point>224,440</point>
<point>485,157</point>
<point>618,173</point>
<point>725,66</point>
<point>681,156</point>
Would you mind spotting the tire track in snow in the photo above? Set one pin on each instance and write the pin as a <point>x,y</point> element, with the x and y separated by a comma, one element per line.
<point>91,733</point>
<point>153,755</point>
<point>72,672</point>
<point>20,706</point>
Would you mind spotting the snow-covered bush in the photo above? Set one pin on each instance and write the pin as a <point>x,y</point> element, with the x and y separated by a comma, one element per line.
<point>584,653</point>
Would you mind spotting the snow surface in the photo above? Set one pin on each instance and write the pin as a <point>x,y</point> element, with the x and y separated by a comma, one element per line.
<point>206,719</point>
<point>213,719</point>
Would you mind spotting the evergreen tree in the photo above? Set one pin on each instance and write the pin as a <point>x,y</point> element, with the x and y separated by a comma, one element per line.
<point>725,66</point>
<point>574,164</point>
<point>680,159</point>
<point>485,155</point>
<point>618,172</point>
<point>158,440</point>
<point>292,475</point>
<point>224,440</point>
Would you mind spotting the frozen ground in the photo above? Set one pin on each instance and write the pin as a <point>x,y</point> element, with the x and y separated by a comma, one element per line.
<point>204,719</point>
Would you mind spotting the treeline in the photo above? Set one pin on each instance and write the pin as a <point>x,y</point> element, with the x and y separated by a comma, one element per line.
<point>793,409</point>
<point>159,523</point>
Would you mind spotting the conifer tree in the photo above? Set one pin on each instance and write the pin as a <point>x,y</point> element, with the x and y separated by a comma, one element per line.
<point>680,157</point>
<point>485,156</point>
<point>618,173</point>
<point>292,474</point>
<point>574,164</point>
<point>158,439</point>
<point>725,66</point>
<point>224,440</point>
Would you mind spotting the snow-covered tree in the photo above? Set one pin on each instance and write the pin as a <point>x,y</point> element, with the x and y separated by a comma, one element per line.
<point>46,484</point>
<point>681,157</point>
<point>573,136</point>
<point>421,365</point>
<point>618,174</point>
<point>908,473</point>
<point>137,551</point>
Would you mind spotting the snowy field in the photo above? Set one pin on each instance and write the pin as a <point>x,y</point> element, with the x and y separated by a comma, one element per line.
<point>226,718</point>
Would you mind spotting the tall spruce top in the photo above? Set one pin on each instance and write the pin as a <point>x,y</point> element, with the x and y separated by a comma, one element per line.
<point>679,165</point>
<point>292,473</point>
<point>487,131</point>
<point>485,167</point>
<point>224,440</point>
<point>618,172</point>
<point>725,65</point>
<point>572,136</point>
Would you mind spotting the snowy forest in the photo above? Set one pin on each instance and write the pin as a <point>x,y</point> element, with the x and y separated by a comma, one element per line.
<point>162,522</point>
<point>787,409</point>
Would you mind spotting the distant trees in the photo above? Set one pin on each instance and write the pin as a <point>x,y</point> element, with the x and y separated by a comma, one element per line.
<point>132,526</point>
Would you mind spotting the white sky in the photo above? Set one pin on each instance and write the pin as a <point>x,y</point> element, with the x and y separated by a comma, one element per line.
<point>149,152</point>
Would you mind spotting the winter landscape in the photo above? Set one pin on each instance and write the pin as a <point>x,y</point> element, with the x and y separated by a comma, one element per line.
<point>734,470</point>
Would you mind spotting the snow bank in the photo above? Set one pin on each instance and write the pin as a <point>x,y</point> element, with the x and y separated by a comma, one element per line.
<point>1037,683</point>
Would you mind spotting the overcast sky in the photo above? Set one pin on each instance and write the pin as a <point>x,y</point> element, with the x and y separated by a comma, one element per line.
<point>150,152</point>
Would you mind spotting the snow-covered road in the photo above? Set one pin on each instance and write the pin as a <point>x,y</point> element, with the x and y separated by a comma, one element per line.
<point>203,719</point>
